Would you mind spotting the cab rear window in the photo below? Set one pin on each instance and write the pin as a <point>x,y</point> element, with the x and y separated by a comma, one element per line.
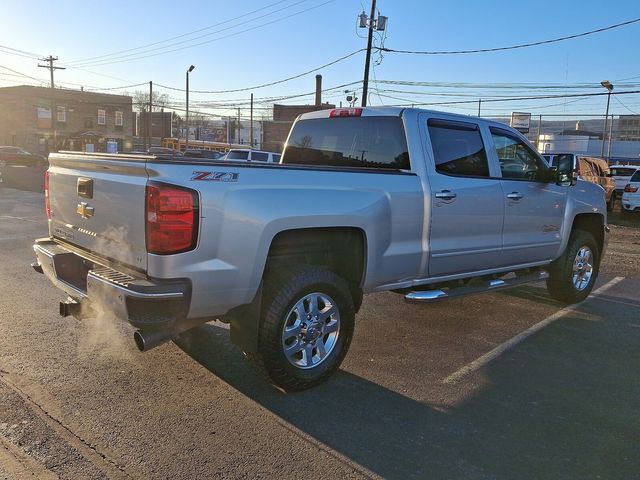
<point>360,142</point>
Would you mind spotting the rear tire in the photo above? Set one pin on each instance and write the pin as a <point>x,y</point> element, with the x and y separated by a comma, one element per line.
<point>306,326</point>
<point>572,276</point>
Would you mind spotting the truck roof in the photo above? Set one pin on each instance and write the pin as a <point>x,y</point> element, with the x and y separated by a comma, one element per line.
<point>397,112</point>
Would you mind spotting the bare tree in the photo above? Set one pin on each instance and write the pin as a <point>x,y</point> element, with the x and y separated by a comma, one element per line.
<point>141,101</point>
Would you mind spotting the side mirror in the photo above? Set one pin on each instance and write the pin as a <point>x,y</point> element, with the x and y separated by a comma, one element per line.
<point>551,175</point>
<point>567,171</point>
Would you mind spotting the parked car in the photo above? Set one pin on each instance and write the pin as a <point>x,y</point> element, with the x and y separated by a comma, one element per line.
<point>622,175</point>
<point>631,194</point>
<point>22,169</point>
<point>426,204</point>
<point>241,155</point>
<point>201,153</point>
<point>592,169</point>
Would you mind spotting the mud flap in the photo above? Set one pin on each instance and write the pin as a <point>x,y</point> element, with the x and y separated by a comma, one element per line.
<point>244,324</point>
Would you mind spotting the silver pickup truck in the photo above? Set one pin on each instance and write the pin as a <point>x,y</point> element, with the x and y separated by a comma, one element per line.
<point>426,204</point>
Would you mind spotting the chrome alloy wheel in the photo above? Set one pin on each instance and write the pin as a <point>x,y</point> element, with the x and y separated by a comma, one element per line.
<point>311,330</point>
<point>582,268</point>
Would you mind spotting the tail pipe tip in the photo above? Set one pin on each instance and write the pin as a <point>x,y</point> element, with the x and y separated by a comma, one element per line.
<point>148,339</point>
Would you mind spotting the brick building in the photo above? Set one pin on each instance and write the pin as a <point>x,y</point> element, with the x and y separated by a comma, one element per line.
<point>275,132</point>
<point>81,119</point>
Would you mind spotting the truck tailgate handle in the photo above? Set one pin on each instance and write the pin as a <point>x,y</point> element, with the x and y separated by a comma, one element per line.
<point>515,196</point>
<point>445,195</point>
<point>85,187</point>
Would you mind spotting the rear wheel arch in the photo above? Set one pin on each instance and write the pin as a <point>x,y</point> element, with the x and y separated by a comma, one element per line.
<point>342,250</point>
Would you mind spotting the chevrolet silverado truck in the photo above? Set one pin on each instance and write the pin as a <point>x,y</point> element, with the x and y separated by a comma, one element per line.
<point>426,204</point>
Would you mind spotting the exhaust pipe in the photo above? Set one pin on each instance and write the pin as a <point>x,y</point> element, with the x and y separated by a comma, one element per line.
<point>146,340</point>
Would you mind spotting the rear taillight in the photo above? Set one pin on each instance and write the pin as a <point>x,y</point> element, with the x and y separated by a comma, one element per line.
<point>630,188</point>
<point>345,112</point>
<point>172,218</point>
<point>47,205</point>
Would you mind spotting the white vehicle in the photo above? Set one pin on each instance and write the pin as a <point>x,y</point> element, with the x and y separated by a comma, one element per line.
<point>631,195</point>
<point>240,155</point>
<point>622,175</point>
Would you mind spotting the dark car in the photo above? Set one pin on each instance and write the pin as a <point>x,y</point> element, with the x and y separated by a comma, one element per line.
<point>21,169</point>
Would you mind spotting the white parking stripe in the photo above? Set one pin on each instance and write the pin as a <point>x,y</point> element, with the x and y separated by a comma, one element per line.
<point>500,349</point>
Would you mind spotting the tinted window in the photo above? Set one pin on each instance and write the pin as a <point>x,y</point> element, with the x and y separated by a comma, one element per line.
<point>635,177</point>
<point>238,155</point>
<point>458,148</point>
<point>622,171</point>
<point>517,160</point>
<point>363,142</point>
<point>276,158</point>
<point>259,156</point>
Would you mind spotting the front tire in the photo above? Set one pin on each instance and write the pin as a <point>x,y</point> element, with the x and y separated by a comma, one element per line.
<point>572,276</point>
<point>306,326</point>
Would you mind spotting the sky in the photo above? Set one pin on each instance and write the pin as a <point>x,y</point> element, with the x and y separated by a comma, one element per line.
<point>244,44</point>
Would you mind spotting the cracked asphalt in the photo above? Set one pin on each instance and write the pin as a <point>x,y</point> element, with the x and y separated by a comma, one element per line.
<point>77,400</point>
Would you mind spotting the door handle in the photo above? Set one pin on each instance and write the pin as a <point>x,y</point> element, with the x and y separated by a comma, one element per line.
<point>445,195</point>
<point>515,196</point>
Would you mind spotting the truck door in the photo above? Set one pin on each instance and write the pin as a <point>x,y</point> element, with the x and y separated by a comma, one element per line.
<point>466,201</point>
<point>534,207</point>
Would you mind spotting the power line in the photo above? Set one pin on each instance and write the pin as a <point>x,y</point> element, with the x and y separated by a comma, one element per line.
<point>23,75</point>
<point>511,47</point>
<point>20,53</point>
<point>538,97</point>
<point>255,87</point>
<point>618,100</point>
<point>83,60</point>
<point>163,51</point>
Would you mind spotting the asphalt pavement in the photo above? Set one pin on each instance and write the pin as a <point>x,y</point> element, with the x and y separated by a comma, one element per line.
<point>413,400</point>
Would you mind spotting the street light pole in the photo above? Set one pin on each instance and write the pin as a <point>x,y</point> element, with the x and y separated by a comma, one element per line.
<point>609,86</point>
<point>190,69</point>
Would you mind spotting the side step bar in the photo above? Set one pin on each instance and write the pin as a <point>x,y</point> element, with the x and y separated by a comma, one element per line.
<point>428,296</point>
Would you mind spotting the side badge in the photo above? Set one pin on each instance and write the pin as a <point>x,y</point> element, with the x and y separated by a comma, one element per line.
<point>215,176</point>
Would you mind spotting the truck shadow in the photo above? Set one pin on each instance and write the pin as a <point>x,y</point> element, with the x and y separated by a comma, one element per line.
<point>561,405</point>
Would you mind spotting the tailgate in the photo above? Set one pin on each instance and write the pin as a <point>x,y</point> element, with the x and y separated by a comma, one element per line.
<point>98,203</point>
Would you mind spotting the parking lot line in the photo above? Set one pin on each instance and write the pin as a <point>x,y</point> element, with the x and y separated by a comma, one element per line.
<point>503,347</point>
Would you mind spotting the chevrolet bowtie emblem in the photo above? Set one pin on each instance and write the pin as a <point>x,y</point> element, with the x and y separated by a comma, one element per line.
<point>84,210</point>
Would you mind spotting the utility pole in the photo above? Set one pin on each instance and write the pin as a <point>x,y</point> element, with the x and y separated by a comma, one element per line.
<point>610,133</point>
<point>365,84</point>
<point>479,105</point>
<point>149,125</point>
<point>238,137</point>
<point>50,59</point>
<point>539,129</point>
<point>251,124</point>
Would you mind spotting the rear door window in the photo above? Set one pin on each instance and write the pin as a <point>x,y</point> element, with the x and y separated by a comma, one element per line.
<point>458,149</point>
<point>238,155</point>
<point>375,142</point>
<point>259,156</point>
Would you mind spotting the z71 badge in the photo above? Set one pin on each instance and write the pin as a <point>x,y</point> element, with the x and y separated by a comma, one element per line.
<point>216,176</point>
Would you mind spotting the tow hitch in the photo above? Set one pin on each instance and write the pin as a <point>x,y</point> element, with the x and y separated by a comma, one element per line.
<point>70,307</point>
